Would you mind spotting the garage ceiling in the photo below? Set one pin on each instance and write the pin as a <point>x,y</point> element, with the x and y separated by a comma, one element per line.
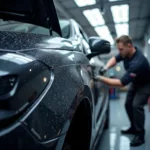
<point>138,18</point>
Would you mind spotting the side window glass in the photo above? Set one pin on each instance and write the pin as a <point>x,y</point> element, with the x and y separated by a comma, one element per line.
<point>65,28</point>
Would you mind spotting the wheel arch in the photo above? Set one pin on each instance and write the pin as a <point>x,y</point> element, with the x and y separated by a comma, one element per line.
<point>80,129</point>
<point>83,102</point>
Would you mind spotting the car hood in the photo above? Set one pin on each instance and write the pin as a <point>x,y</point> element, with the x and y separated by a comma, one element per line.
<point>18,41</point>
<point>38,12</point>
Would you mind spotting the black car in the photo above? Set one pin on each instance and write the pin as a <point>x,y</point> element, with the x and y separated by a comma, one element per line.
<point>48,98</point>
<point>74,32</point>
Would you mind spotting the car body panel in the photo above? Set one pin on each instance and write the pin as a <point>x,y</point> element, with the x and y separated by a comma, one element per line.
<point>100,90</point>
<point>47,119</point>
<point>21,69</point>
<point>45,122</point>
<point>18,41</point>
<point>73,67</point>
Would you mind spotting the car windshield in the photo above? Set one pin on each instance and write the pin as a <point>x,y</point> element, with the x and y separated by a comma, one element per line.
<point>22,27</point>
<point>30,28</point>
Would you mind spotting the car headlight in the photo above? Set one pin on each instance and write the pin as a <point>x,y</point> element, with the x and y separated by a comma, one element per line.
<point>7,83</point>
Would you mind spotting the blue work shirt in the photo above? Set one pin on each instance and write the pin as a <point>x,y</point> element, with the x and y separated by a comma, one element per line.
<point>137,69</point>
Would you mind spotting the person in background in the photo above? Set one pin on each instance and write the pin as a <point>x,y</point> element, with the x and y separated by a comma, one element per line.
<point>138,75</point>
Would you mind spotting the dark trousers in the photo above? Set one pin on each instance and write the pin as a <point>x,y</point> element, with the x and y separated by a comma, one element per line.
<point>137,97</point>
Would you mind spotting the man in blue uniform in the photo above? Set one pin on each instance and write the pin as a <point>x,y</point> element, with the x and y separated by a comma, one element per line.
<point>138,75</point>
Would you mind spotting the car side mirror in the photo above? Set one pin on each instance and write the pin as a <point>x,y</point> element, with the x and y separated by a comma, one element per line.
<point>98,46</point>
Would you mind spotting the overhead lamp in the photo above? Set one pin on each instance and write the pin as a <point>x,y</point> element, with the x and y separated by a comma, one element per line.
<point>120,13</point>
<point>82,3</point>
<point>122,29</point>
<point>94,17</point>
<point>104,33</point>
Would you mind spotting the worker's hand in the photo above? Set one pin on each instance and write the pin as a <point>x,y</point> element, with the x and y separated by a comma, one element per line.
<point>97,77</point>
<point>103,70</point>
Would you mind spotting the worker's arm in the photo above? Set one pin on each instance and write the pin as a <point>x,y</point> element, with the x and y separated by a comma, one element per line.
<point>128,77</point>
<point>110,81</point>
<point>111,63</point>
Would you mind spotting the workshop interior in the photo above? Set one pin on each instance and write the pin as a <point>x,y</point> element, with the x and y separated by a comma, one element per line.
<point>74,75</point>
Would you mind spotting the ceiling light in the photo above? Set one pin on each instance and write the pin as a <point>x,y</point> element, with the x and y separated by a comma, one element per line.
<point>104,33</point>
<point>82,3</point>
<point>122,29</point>
<point>94,17</point>
<point>120,13</point>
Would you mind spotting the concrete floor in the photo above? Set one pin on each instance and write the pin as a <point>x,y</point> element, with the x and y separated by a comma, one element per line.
<point>112,139</point>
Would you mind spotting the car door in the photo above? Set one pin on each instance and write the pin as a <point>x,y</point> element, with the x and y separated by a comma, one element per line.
<point>100,90</point>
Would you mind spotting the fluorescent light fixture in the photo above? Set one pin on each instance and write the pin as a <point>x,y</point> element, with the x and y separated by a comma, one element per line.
<point>120,13</point>
<point>149,41</point>
<point>122,29</point>
<point>104,33</point>
<point>94,17</point>
<point>82,3</point>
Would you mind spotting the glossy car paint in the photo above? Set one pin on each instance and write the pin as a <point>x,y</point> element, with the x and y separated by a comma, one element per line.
<point>22,69</point>
<point>100,90</point>
<point>43,124</point>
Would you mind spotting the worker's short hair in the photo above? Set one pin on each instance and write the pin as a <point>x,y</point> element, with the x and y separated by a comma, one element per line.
<point>125,39</point>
